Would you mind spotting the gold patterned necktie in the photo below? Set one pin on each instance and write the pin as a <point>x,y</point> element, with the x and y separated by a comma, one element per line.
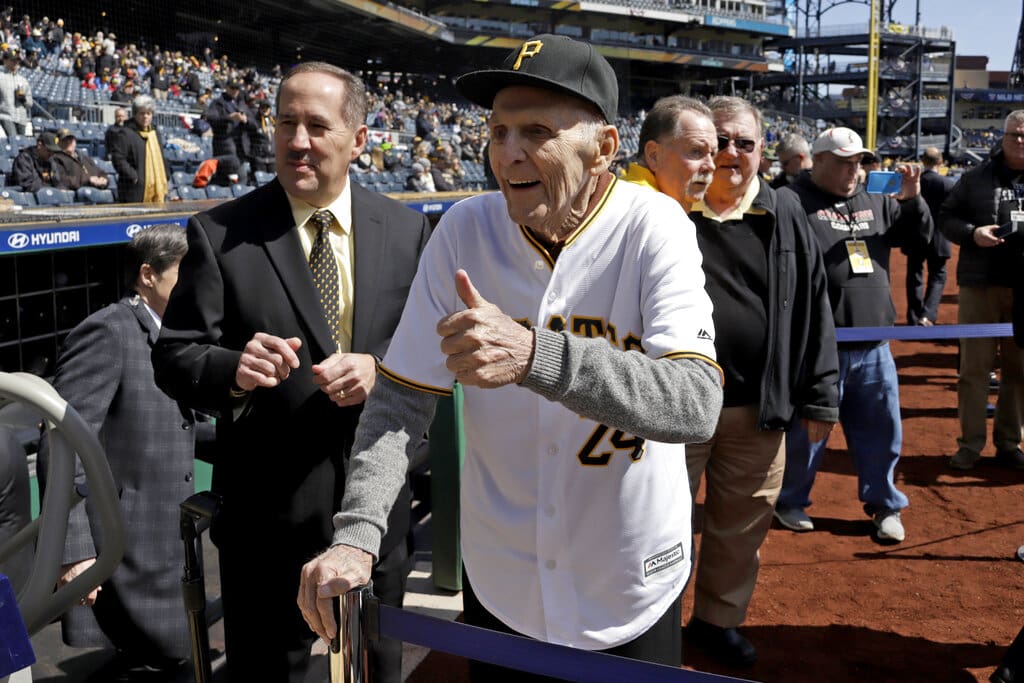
<point>325,272</point>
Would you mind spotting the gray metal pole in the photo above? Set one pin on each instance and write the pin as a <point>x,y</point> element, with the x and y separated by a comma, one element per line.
<point>349,662</point>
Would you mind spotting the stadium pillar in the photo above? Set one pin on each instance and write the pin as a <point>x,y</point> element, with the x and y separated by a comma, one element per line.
<point>873,50</point>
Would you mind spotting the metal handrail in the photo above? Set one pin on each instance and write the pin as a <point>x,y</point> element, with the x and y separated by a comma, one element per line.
<point>68,434</point>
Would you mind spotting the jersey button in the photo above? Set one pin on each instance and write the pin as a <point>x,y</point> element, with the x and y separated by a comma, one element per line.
<point>538,265</point>
<point>552,296</point>
<point>553,449</point>
<point>550,564</point>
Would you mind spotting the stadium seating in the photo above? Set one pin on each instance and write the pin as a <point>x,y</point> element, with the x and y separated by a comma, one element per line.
<point>189,193</point>
<point>18,197</point>
<point>218,192</point>
<point>51,196</point>
<point>94,195</point>
<point>238,189</point>
<point>262,177</point>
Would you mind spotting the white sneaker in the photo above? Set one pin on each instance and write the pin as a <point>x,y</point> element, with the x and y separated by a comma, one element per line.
<point>794,519</point>
<point>890,527</point>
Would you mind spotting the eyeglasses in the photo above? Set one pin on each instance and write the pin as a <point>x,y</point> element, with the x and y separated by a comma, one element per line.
<point>1010,134</point>
<point>745,145</point>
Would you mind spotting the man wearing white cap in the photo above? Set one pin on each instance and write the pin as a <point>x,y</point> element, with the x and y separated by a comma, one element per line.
<point>857,231</point>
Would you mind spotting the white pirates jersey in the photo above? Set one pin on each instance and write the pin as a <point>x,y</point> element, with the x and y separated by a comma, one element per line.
<point>573,532</point>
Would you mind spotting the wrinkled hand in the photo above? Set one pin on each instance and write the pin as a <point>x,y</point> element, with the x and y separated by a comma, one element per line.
<point>816,429</point>
<point>346,378</point>
<point>69,572</point>
<point>266,361</point>
<point>485,347</point>
<point>983,236</point>
<point>911,184</point>
<point>334,572</point>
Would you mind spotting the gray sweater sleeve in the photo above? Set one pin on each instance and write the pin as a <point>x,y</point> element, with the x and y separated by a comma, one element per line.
<point>383,445</point>
<point>673,401</point>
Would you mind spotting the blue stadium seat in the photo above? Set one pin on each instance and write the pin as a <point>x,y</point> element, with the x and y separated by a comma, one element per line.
<point>105,165</point>
<point>238,189</point>
<point>180,178</point>
<point>94,195</point>
<point>262,177</point>
<point>6,163</point>
<point>18,197</point>
<point>189,193</point>
<point>218,192</point>
<point>51,196</point>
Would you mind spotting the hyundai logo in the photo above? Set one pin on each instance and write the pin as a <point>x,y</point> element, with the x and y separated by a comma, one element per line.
<point>133,229</point>
<point>18,240</point>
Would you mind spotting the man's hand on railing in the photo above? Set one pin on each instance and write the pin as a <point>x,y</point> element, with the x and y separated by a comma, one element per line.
<point>334,572</point>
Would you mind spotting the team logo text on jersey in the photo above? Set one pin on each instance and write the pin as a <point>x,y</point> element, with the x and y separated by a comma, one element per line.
<point>663,560</point>
<point>854,222</point>
<point>529,49</point>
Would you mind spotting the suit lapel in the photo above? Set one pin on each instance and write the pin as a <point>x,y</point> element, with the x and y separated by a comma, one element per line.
<point>370,249</point>
<point>284,249</point>
<point>138,308</point>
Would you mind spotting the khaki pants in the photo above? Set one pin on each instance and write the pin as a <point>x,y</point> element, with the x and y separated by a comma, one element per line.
<point>977,359</point>
<point>743,468</point>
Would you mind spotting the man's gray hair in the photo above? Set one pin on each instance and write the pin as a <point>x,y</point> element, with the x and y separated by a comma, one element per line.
<point>792,144</point>
<point>663,120</point>
<point>1015,118</point>
<point>354,100</point>
<point>732,106</point>
<point>143,103</point>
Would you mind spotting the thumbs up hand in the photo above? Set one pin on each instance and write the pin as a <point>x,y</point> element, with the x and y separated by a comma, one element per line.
<point>485,347</point>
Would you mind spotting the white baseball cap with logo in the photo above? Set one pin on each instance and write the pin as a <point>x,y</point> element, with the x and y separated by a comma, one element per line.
<point>842,142</point>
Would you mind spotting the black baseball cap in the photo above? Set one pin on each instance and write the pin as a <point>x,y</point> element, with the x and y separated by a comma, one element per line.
<point>552,62</point>
<point>50,140</point>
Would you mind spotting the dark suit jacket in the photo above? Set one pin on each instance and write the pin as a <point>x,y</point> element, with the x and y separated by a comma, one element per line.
<point>935,188</point>
<point>106,374</point>
<point>280,464</point>
<point>128,154</point>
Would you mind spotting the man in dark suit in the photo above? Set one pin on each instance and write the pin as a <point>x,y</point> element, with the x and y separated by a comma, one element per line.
<point>247,335</point>
<point>923,300</point>
<point>106,374</point>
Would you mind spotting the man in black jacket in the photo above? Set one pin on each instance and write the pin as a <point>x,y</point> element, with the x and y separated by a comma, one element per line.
<point>923,299</point>
<point>856,232</point>
<point>33,167</point>
<point>986,198</point>
<point>230,118</point>
<point>776,344</point>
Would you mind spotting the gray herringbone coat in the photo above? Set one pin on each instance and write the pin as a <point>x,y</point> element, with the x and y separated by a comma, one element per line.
<point>106,374</point>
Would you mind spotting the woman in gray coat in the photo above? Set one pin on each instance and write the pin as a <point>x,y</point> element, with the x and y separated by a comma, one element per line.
<point>105,373</point>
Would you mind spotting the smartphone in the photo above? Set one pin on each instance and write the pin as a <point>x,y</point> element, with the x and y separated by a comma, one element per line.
<point>1004,230</point>
<point>884,182</point>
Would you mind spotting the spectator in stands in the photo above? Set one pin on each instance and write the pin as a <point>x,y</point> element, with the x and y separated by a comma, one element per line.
<point>923,300</point>
<point>985,199</point>
<point>776,344</point>
<point>425,124</point>
<point>230,120</point>
<point>115,129</point>
<point>125,94</point>
<point>676,150</point>
<point>419,178</point>
<point>138,157</point>
<point>105,373</point>
<point>556,541</point>
<point>442,168</point>
<point>159,82</point>
<point>794,156</point>
<point>33,167</point>
<point>856,232</point>
<point>261,139</point>
<point>15,96</point>
<point>73,169</point>
<point>55,36</point>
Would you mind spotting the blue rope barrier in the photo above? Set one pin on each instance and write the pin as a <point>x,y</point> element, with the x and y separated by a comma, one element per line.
<point>525,654</point>
<point>919,333</point>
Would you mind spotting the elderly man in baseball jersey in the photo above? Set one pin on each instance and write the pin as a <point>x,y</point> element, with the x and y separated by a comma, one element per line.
<point>571,306</point>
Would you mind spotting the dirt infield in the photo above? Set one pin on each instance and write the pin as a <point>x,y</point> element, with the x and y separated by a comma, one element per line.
<point>834,605</point>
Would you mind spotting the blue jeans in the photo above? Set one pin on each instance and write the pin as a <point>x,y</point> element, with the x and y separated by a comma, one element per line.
<point>869,412</point>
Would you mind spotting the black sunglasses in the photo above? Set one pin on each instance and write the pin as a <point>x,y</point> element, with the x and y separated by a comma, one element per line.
<point>745,145</point>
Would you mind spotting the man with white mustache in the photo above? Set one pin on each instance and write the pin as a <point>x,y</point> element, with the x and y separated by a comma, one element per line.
<point>776,343</point>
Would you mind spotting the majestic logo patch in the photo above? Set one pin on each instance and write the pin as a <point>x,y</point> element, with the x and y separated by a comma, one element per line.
<point>703,334</point>
<point>663,560</point>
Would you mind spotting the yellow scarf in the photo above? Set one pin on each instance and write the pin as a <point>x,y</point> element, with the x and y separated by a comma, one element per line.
<point>156,178</point>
